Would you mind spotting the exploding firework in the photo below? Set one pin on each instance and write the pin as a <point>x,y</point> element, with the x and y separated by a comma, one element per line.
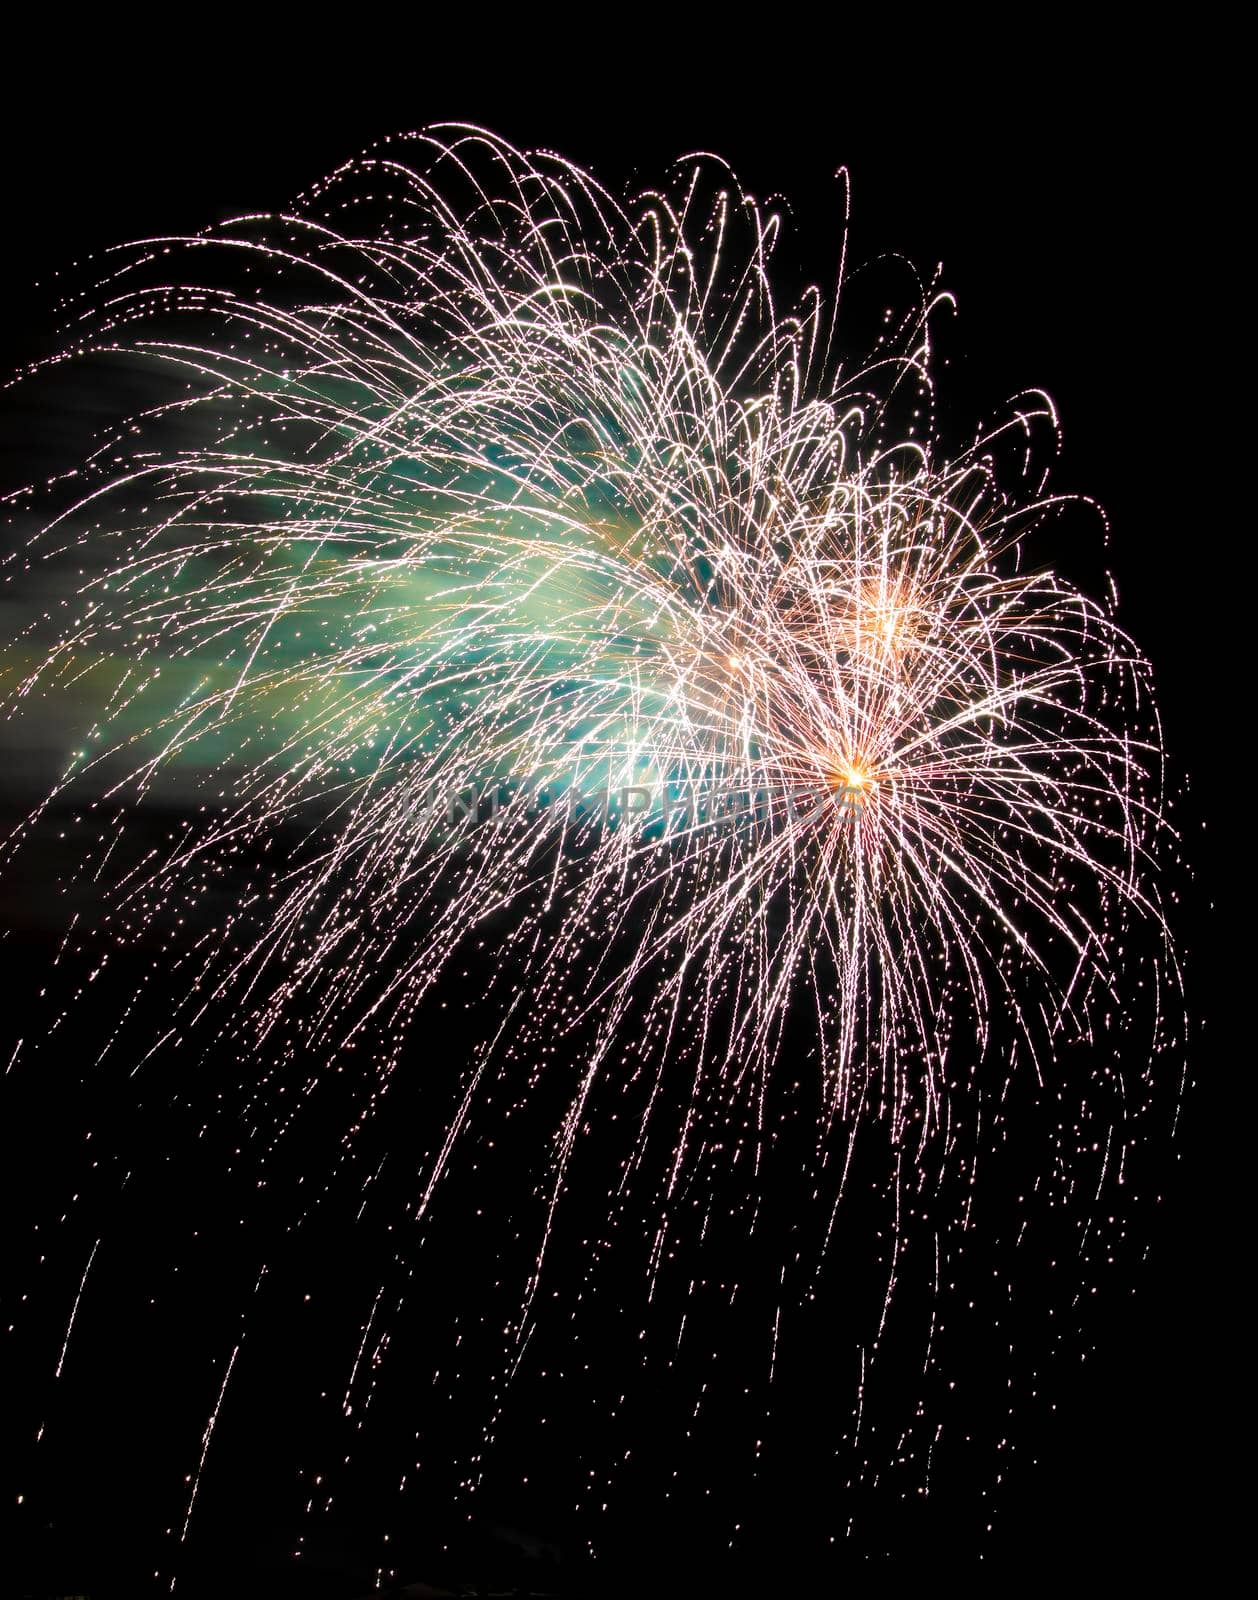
<point>509,598</point>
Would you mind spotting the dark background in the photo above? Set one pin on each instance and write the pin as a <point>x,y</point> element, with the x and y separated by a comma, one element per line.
<point>1078,194</point>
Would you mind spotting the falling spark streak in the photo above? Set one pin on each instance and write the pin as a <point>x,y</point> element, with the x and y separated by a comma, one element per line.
<point>211,1424</point>
<point>530,495</point>
<point>74,1309</point>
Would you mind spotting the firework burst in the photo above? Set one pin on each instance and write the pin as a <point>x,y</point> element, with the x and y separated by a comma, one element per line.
<point>504,583</point>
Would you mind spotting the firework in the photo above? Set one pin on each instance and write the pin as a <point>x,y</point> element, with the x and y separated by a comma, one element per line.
<point>502,582</point>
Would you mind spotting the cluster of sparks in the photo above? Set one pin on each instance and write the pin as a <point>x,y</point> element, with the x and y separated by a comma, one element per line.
<point>530,495</point>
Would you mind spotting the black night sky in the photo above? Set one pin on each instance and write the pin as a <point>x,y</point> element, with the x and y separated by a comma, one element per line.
<point>1077,199</point>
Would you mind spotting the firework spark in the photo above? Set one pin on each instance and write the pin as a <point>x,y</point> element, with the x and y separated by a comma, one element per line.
<point>779,753</point>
